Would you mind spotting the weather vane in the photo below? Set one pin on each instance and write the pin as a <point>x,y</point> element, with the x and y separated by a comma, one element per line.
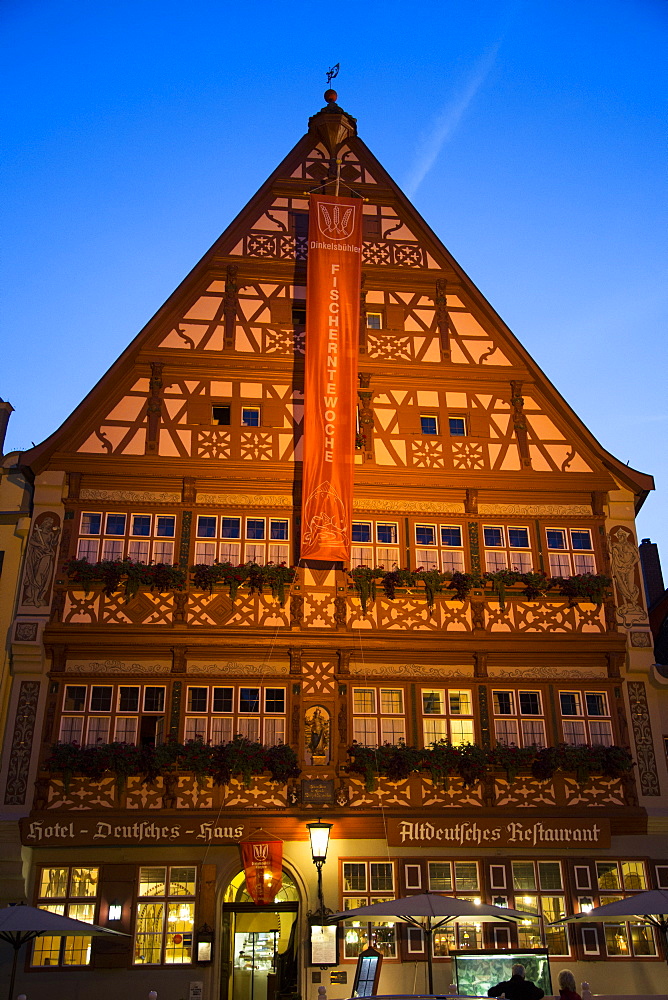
<point>331,73</point>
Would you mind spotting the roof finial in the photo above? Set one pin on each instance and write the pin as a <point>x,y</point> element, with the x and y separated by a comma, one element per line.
<point>331,95</point>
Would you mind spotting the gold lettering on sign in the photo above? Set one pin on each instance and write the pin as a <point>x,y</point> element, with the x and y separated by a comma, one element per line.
<point>514,833</point>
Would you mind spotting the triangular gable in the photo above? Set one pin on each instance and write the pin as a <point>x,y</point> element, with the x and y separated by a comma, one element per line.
<point>258,263</point>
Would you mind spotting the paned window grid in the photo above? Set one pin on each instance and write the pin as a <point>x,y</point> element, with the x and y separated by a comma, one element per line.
<point>439,547</point>
<point>237,539</point>
<point>378,715</point>
<point>375,543</point>
<point>507,547</point>
<point>519,718</point>
<point>364,883</point>
<point>216,714</point>
<point>70,891</point>
<point>607,882</point>
<point>110,536</point>
<point>105,713</point>
<point>570,551</point>
<point>460,879</point>
<point>585,718</point>
<point>447,714</point>
<point>539,889</point>
<point>165,915</point>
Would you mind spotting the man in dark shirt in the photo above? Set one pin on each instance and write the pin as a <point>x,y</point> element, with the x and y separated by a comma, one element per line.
<point>517,987</point>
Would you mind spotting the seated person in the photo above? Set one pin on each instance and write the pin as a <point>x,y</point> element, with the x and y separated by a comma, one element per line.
<point>517,987</point>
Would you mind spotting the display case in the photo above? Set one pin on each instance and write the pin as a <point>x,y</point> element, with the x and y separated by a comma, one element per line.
<point>477,971</point>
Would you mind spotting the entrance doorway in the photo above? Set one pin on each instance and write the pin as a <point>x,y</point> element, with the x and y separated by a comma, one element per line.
<point>261,943</point>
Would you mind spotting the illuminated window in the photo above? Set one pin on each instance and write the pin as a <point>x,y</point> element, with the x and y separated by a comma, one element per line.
<point>165,916</point>
<point>364,883</point>
<point>518,718</point>
<point>447,715</point>
<point>69,891</point>
<point>378,716</point>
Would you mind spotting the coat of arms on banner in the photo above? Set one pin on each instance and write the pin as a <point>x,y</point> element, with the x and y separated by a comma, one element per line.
<point>336,222</point>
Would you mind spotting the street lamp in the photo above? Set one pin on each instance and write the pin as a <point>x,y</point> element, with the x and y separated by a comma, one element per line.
<point>319,837</point>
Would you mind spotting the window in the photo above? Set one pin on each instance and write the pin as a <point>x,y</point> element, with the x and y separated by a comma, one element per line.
<point>413,876</point>
<point>439,547</point>
<point>265,538</point>
<point>452,549</point>
<point>429,423</point>
<point>299,313</point>
<point>101,713</point>
<point>364,883</point>
<point>70,891</point>
<point>585,718</point>
<point>378,715</point>
<point>260,714</point>
<point>662,876</point>
<point>457,426</point>
<point>250,416</point>
<point>460,877</point>
<point>374,321</point>
<point>507,548</point>
<point>165,916</point>
<point>538,888</point>
<point>139,537</point>
<point>447,715</point>
<point>624,937</point>
<point>375,544</point>
<point>518,718</point>
<point>570,551</point>
<point>221,416</point>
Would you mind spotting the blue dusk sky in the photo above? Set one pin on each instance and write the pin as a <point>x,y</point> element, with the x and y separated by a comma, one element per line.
<point>530,135</point>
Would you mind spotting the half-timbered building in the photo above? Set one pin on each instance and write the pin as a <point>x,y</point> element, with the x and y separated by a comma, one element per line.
<point>455,700</point>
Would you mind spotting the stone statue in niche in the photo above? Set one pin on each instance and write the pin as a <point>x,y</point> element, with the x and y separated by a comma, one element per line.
<point>40,561</point>
<point>317,725</point>
<point>624,557</point>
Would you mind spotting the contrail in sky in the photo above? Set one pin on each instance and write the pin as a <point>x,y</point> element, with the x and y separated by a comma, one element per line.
<point>447,121</point>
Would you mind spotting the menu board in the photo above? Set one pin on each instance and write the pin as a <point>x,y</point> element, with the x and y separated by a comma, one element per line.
<point>367,973</point>
<point>324,950</point>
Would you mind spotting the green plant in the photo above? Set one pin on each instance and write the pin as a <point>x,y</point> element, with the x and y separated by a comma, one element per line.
<point>240,757</point>
<point>433,583</point>
<point>612,762</point>
<point>364,581</point>
<point>535,585</point>
<point>111,573</point>
<point>511,758</point>
<point>277,576</point>
<point>363,761</point>
<point>463,584</point>
<point>500,580</point>
<point>591,588</point>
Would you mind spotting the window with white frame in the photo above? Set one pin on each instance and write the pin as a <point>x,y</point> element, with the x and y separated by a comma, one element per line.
<point>364,883</point>
<point>429,423</point>
<point>375,544</point>
<point>106,713</point>
<point>461,879</point>
<point>374,320</point>
<point>113,536</point>
<point>570,551</point>
<point>585,718</point>
<point>250,416</point>
<point>378,715</point>
<point>624,938</point>
<point>165,916</point>
<point>507,547</point>
<point>216,714</point>
<point>539,890</point>
<point>519,718</point>
<point>447,714</point>
<point>439,547</point>
<point>70,891</point>
<point>235,539</point>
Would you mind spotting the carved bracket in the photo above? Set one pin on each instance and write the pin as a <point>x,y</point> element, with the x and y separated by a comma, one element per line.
<point>154,410</point>
<point>442,318</point>
<point>519,422</point>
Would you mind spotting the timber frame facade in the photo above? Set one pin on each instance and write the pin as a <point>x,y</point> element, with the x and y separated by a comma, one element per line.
<point>188,452</point>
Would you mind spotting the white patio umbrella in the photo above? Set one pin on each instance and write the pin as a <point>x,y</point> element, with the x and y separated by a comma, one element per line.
<point>651,906</point>
<point>430,911</point>
<point>20,924</point>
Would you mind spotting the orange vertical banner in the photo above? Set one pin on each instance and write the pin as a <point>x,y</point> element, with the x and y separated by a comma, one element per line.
<point>330,383</point>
